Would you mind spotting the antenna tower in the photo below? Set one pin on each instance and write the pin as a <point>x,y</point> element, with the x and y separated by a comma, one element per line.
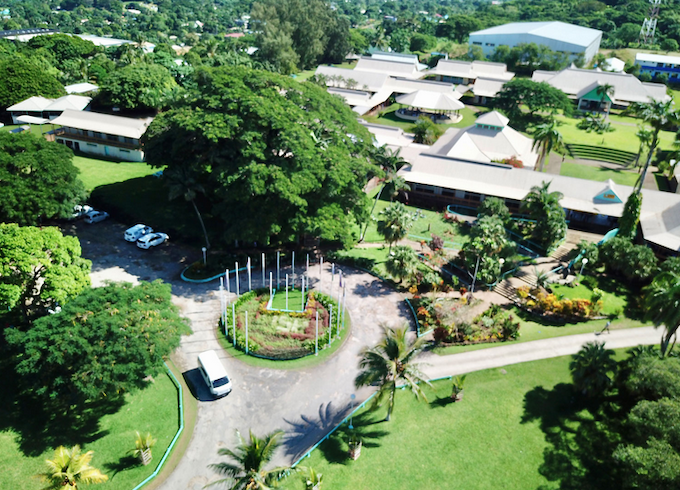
<point>649,24</point>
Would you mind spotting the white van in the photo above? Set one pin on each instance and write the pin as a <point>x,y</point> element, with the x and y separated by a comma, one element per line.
<point>214,374</point>
<point>136,232</point>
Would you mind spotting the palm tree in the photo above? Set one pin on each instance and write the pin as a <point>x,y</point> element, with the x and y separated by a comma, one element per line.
<point>546,139</point>
<point>662,306</point>
<point>394,223</point>
<point>310,478</point>
<point>402,262</point>
<point>181,182</point>
<point>544,207</point>
<point>247,471</point>
<point>71,467</point>
<point>605,90</point>
<point>590,368</point>
<point>645,137</point>
<point>658,115</point>
<point>389,362</point>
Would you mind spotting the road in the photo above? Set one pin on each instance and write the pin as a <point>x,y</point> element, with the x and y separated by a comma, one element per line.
<point>304,403</point>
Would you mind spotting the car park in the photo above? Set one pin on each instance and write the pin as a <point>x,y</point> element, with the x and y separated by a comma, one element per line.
<point>96,216</point>
<point>213,373</point>
<point>136,232</point>
<point>151,240</point>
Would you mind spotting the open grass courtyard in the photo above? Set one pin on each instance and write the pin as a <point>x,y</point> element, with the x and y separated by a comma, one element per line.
<point>95,172</point>
<point>493,438</point>
<point>28,441</point>
<point>620,176</point>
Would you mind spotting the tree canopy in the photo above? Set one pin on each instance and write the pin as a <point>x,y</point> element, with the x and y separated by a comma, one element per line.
<point>103,343</point>
<point>37,179</point>
<point>39,269</point>
<point>277,159</point>
<point>138,86</point>
<point>536,96</point>
<point>21,78</point>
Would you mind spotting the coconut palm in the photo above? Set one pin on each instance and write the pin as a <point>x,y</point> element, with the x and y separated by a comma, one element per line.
<point>247,472</point>
<point>544,207</point>
<point>662,306</point>
<point>645,137</point>
<point>605,90</point>
<point>310,478</point>
<point>143,445</point>
<point>546,139</point>
<point>71,467</point>
<point>402,262</point>
<point>394,223</point>
<point>181,182</point>
<point>591,367</point>
<point>658,115</point>
<point>390,362</point>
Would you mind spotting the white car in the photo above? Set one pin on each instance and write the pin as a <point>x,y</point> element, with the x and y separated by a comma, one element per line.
<point>151,240</point>
<point>136,232</point>
<point>81,210</point>
<point>96,216</point>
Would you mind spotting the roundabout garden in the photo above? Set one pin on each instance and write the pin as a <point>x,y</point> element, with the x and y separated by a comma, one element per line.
<point>284,325</point>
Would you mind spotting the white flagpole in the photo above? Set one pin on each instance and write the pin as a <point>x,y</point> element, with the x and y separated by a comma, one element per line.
<point>292,263</point>
<point>316,343</point>
<point>286,292</point>
<point>233,319</point>
<point>249,283</point>
<point>237,280</point>
<point>278,269</point>
<point>264,281</point>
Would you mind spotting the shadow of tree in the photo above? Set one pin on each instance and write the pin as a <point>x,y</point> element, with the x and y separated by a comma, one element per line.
<point>580,439</point>
<point>124,463</point>
<point>365,428</point>
<point>42,424</point>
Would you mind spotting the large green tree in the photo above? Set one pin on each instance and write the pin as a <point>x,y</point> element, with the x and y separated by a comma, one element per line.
<point>277,159</point>
<point>138,86</point>
<point>21,78</point>
<point>488,244</point>
<point>535,96</point>
<point>105,342</point>
<point>392,361</point>
<point>662,306</point>
<point>544,208</point>
<point>628,223</point>
<point>39,269</point>
<point>37,179</point>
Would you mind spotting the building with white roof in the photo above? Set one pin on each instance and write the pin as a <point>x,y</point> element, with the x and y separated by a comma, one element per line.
<point>581,85</point>
<point>466,72</point>
<point>102,134</point>
<point>565,38</point>
<point>657,64</point>
<point>408,68</point>
<point>41,107</point>
<point>81,88</point>
<point>613,64</point>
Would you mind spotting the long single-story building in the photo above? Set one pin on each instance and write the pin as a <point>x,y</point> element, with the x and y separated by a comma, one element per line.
<point>102,134</point>
<point>565,38</point>
<point>657,65</point>
<point>42,107</point>
<point>581,85</point>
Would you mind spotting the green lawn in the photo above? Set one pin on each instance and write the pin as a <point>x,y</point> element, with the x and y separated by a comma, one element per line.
<point>151,410</point>
<point>488,440</point>
<point>388,118</point>
<point>94,172</point>
<point>427,223</point>
<point>35,128</point>
<point>615,296</point>
<point>600,174</point>
<point>294,299</point>
<point>622,138</point>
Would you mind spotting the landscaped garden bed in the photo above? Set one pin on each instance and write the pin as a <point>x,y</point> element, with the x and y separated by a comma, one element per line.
<point>449,318</point>
<point>274,333</point>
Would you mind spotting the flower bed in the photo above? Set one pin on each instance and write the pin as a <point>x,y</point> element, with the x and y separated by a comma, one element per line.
<point>281,335</point>
<point>446,316</point>
<point>550,305</point>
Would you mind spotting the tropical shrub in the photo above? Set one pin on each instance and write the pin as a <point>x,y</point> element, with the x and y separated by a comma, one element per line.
<point>634,262</point>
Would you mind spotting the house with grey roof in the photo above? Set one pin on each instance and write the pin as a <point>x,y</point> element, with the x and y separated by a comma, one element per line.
<point>110,136</point>
<point>405,68</point>
<point>570,39</point>
<point>41,107</point>
<point>485,79</point>
<point>582,85</point>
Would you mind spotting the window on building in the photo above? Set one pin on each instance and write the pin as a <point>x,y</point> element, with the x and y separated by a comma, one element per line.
<point>472,196</point>
<point>476,43</point>
<point>125,151</point>
<point>92,144</point>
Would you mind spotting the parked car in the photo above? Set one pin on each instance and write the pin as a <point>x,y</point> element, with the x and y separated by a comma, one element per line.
<point>81,210</point>
<point>213,373</point>
<point>136,232</point>
<point>96,216</point>
<point>151,240</point>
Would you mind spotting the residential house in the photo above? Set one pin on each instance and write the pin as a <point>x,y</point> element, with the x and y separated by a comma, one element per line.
<point>42,107</point>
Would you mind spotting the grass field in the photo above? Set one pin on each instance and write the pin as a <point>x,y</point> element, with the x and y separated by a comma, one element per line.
<point>388,118</point>
<point>622,138</point>
<point>94,172</point>
<point>151,410</point>
<point>35,128</point>
<point>600,174</point>
<point>491,439</point>
<point>294,299</point>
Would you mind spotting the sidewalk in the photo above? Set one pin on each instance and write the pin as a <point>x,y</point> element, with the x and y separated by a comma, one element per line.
<point>436,366</point>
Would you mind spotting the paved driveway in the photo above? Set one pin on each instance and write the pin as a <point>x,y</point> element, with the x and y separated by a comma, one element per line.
<point>305,403</point>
